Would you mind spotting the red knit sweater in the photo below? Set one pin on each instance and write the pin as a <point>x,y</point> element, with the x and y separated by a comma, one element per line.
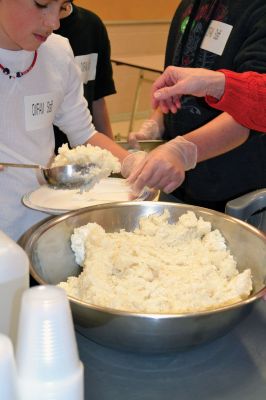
<point>244,98</point>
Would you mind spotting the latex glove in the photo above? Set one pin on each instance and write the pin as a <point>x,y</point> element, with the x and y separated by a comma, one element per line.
<point>164,167</point>
<point>131,162</point>
<point>149,130</point>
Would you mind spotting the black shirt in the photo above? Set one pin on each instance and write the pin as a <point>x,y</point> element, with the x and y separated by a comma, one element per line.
<point>88,37</point>
<point>214,182</point>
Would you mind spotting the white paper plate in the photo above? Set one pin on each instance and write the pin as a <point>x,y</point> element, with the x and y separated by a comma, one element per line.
<point>55,201</point>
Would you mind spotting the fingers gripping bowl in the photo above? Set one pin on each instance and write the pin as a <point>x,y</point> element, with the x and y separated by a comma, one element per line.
<point>52,261</point>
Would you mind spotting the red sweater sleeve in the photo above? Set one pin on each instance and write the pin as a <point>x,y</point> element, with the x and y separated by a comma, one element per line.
<point>244,98</point>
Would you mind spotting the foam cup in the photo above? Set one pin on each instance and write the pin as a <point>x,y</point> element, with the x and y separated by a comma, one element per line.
<point>8,378</point>
<point>47,358</point>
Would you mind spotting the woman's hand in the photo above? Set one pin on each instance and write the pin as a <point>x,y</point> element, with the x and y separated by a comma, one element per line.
<point>168,89</point>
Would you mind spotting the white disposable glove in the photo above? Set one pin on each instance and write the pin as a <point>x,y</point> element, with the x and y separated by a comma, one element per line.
<point>131,162</point>
<point>149,130</point>
<point>164,167</point>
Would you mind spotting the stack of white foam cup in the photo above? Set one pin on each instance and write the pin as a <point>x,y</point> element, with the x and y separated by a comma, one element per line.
<point>14,279</point>
<point>8,378</point>
<point>48,365</point>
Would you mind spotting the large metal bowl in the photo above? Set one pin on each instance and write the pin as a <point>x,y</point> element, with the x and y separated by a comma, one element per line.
<point>52,261</point>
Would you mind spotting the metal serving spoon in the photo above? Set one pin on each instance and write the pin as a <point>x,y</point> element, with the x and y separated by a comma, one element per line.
<point>68,176</point>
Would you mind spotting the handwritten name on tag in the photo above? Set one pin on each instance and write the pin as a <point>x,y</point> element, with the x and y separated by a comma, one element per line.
<point>87,64</point>
<point>39,111</point>
<point>216,37</point>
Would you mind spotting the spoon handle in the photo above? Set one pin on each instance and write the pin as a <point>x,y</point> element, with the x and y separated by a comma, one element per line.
<point>6,164</point>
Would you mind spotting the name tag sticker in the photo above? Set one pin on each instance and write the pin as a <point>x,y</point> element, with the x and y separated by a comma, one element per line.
<point>216,37</point>
<point>87,65</point>
<point>39,111</point>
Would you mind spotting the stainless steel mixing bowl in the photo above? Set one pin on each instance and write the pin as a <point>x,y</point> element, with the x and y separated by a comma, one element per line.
<point>52,261</point>
<point>144,145</point>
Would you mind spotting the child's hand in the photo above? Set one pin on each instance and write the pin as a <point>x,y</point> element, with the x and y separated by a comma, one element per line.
<point>1,167</point>
<point>164,167</point>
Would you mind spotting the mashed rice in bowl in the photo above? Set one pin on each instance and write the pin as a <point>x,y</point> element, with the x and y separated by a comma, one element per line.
<point>158,268</point>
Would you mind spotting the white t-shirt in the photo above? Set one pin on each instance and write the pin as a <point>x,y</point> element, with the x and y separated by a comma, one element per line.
<point>51,93</point>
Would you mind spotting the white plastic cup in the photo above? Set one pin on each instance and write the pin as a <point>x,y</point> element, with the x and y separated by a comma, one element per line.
<point>47,358</point>
<point>14,279</point>
<point>8,378</point>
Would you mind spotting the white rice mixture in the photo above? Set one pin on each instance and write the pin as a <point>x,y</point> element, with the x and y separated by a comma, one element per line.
<point>158,268</point>
<point>105,162</point>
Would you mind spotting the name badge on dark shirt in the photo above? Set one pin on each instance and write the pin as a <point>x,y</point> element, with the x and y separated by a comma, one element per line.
<point>87,64</point>
<point>216,37</point>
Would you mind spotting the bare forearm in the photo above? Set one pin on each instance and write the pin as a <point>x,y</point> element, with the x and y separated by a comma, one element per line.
<point>218,136</point>
<point>158,117</point>
<point>101,118</point>
<point>103,141</point>
<point>164,168</point>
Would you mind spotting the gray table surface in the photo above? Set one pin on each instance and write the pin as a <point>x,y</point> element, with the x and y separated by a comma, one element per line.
<point>232,367</point>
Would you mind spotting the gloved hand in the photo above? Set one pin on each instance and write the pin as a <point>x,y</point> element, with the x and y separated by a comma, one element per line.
<point>149,130</point>
<point>164,167</point>
<point>131,162</point>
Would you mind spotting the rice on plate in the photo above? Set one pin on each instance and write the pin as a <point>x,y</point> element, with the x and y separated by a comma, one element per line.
<point>158,268</point>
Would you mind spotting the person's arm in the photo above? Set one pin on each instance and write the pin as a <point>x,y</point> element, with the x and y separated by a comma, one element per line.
<point>104,84</point>
<point>151,129</point>
<point>129,161</point>
<point>101,118</point>
<point>244,98</point>
<point>164,168</point>
<point>242,95</point>
<point>217,137</point>
<point>103,141</point>
<point>176,82</point>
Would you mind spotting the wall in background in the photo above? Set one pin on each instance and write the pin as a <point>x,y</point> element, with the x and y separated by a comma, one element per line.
<point>117,10</point>
<point>133,40</point>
